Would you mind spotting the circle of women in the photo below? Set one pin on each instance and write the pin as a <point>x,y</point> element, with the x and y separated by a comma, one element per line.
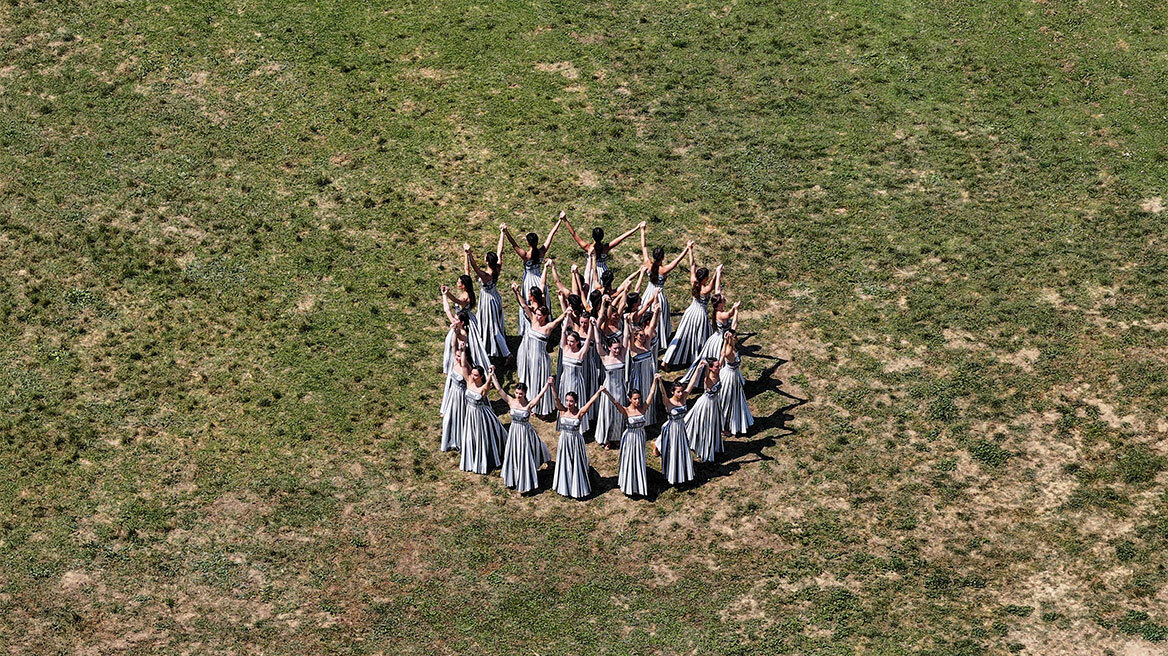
<point>606,385</point>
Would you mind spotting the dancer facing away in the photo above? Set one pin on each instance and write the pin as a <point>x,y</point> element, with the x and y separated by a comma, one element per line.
<point>703,422</point>
<point>642,364</point>
<point>609,419</point>
<point>631,476</point>
<point>572,468</point>
<point>483,436</point>
<point>574,378</point>
<point>491,323</point>
<point>599,248</point>
<point>536,364</point>
<point>532,257</point>
<point>724,319</point>
<point>658,271</point>
<point>454,401</point>
<point>736,416</point>
<point>672,444</point>
<point>694,328</point>
<point>524,452</point>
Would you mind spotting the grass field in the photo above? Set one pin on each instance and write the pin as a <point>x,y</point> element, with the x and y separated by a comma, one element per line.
<point>222,230</point>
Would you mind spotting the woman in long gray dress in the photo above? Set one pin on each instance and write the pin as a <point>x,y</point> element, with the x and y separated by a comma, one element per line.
<point>571,476</point>
<point>524,453</point>
<point>658,271</point>
<point>703,422</point>
<point>574,378</point>
<point>533,258</point>
<point>736,416</point>
<point>672,444</point>
<point>694,327</point>
<point>454,401</point>
<point>631,476</point>
<point>483,436</point>
<point>609,419</point>
<point>536,364</point>
<point>491,321</point>
<point>465,300</point>
<point>724,319</point>
<point>642,364</point>
<point>599,249</point>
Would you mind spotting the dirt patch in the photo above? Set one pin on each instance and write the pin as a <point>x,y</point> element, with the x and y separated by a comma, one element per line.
<point>1154,205</point>
<point>589,179</point>
<point>567,69</point>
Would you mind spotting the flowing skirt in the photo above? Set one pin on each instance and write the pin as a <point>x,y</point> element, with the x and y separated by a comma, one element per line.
<point>481,440</point>
<point>492,323</point>
<point>571,474</point>
<point>534,367</point>
<point>712,348</point>
<point>703,426</point>
<point>736,415</point>
<point>575,379</point>
<point>592,369</point>
<point>631,476</point>
<point>524,455</point>
<point>478,355</point>
<point>692,333</point>
<point>530,279</point>
<point>664,322</point>
<point>454,415</point>
<point>610,423</point>
<point>676,463</point>
<point>642,377</point>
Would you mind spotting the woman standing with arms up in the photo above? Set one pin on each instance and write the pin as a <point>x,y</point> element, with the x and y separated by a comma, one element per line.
<point>724,319</point>
<point>491,323</point>
<point>536,363</point>
<point>572,466</point>
<point>658,271</point>
<point>524,452</point>
<point>694,328</point>
<point>631,476</point>
<point>736,416</point>
<point>465,300</point>
<point>703,422</point>
<point>574,378</point>
<point>642,364</point>
<point>676,463</point>
<point>484,434</point>
<point>532,257</point>
<point>454,401</point>
<point>609,418</point>
<point>598,248</point>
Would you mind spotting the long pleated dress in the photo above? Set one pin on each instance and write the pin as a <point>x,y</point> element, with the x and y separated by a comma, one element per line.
<point>642,377</point>
<point>492,324</point>
<point>531,278</point>
<point>676,463</point>
<point>534,367</point>
<point>656,288</point>
<point>736,415</point>
<point>692,333</point>
<point>712,348</point>
<point>482,438</point>
<point>454,417</point>
<point>631,477</point>
<point>524,454</point>
<point>703,425</point>
<point>575,379</point>
<point>593,366</point>
<point>477,356</point>
<point>610,423</point>
<point>572,468</point>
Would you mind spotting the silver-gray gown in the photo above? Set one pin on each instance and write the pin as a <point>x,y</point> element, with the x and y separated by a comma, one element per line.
<point>642,374</point>
<point>532,277</point>
<point>610,423</point>
<point>572,468</point>
<point>712,348</point>
<point>534,367</point>
<point>676,463</point>
<point>524,454</point>
<point>631,476</point>
<point>492,324</point>
<point>736,415</point>
<point>454,418</point>
<point>482,438</point>
<point>703,425</point>
<point>656,288</point>
<point>575,379</point>
<point>692,333</point>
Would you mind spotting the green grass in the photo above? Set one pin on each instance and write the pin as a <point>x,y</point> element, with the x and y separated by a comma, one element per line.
<point>222,230</point>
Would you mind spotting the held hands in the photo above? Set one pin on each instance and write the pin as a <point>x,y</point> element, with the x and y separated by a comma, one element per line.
<point>735,306</point>
<point>642,225</point>
<point>563,215</point>
<point>465,247</point>
<point>444,289</point>
<point>514,286</point>
<point>551,380</point>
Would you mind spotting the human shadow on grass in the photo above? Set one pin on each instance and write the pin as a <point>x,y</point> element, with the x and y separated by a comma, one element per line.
<point>767,429</point>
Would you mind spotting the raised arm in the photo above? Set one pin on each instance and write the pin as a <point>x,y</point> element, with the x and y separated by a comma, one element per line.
<point>619,408</point>
<point>591,339</point>
<point>700,373</point>
<point>471,264</point>
<point>572,230</point>
<point>693,276</point>
<point>460,302</point>
<point>588,406</point>
<point>555,322</point>
<point>628,233</point>
<point>502,392</point>
<point>556,277</point>
<point>446,306</point>
<point>556,394</point>
<point>660,387</point>
<point>718,279</point>
<point>578,282</point>
<point>499,248</point>
<point>644,249</point>
<point>652,394</point>
<point>665,269</point>
<point>548,242</point>
<point>522,302</point>
<point>522,253</point>
<point>539,396</point>
<point>734,316</point>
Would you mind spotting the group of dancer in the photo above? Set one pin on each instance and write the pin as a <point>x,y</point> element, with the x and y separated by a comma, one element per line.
<point>606,380</point>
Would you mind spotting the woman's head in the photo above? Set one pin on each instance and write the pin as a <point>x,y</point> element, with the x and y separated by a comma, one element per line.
<point>614,348</point>
<point>635,397</point>
<point>572,339</point>
<point>520,390</point>
<point>606,279</point>
<point>677,390</point>
<point>571,400</point>
<point>699,278</point>
<point>542,314</point>
<point>633,300</point>
<point>731,337</point>
<point>598,236</point>
<point>477,375</point>
<point>576,304</point>
<point>595,298</point>
<point>493,264</point>
<point>467,285</point>
<point>533,240</point>
<point>713,365</point>
<point>718,301</point>
<point>658,260</point>
<point>535,295</point>
<point>464,318</point>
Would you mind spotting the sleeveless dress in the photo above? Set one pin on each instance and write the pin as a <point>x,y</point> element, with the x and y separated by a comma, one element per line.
<point>601,269</point>
<point>642,377</point>
<point>676,463</point>
<point>610,423</point>
<point>703,425</point>
<point>712,348</point>
<point>454,419</point>
<point>575,379</point>
<point>656,288</point>
<point>534,366</point>
<point>524,455</point>
<point>631,476</point>
<point>531,278</point>
<point>492,324</point>
<point>483,436</point>
<point>736,415</point>
<point>571,474</point>
<point>477,356</point>
<point>593,367</point>
<point>692,333</point>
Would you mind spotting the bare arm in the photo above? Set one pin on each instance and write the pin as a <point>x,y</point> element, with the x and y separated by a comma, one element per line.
<point>693,276</point>
<point>660,387</point>
<point>694,381</point>
<point>502,392</point>
<point>499,248</point>
<point>734,316</point>
<point>539,396</point>
<point>644,248</point>
<point>522,303</point>
<point>718,280</point>
<point>620,408</point>
<point>588,406</point>
<point>577,282</point>
<point>555,322</point>
<point>471,264</point>
<point>514,245</point>
<point>628,233</point>
<point>556,396</point>
<point>652,395</point>
<point>548,242</point>
<point>571,229</point>
<point>556,277</point>
<point>665,269</point>
<point>446,306</point>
